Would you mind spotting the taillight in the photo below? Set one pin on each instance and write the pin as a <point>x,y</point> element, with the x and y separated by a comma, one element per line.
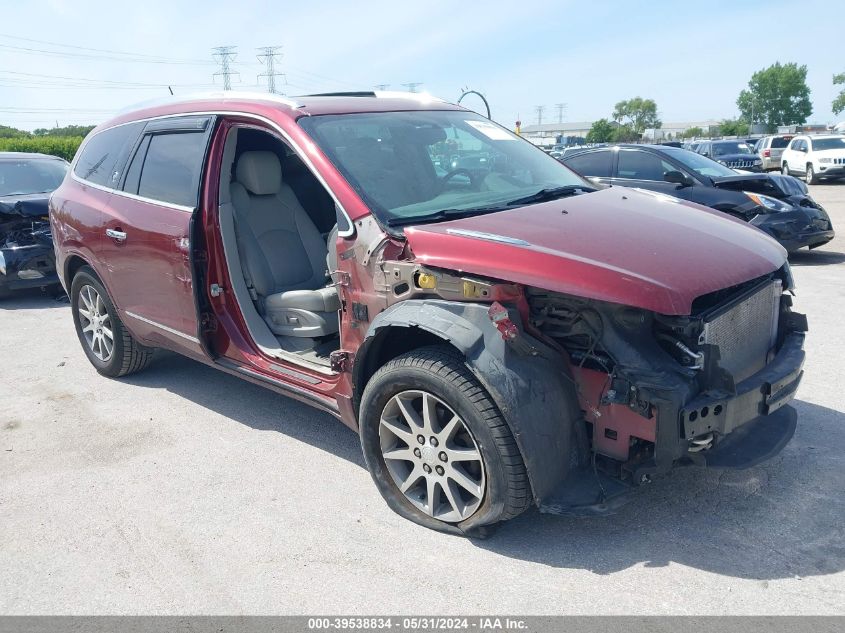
<point>767,153</point>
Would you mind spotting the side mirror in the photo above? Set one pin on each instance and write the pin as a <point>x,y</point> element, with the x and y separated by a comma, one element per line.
<point>678,178</point>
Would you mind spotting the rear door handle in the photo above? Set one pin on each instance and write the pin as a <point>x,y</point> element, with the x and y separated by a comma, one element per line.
<point>120,236</point>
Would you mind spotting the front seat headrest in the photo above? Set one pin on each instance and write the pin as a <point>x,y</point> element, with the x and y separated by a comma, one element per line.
<point>259,172</point>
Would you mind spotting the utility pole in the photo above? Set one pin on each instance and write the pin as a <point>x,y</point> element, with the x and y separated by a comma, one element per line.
<point>412,86</point>
<point>539,110</point>
<point>561,111</point>
<point>381,87</point>
<point>225,54</point>
<point>268,57</point>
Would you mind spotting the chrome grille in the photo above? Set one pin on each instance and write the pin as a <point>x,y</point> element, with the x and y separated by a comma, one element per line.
<point>740,164</point>
<point>745,333</point>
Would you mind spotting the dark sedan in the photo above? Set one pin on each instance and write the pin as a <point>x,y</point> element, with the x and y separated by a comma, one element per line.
<point>27,259</point>
<point>778,205</point>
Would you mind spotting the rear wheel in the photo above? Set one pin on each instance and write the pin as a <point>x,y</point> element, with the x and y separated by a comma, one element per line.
<point>437,447</point>
<point>785,169</point>
<point>104,339</point>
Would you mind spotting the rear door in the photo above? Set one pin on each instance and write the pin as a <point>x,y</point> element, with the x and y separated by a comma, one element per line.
<point>148,230</point>
<point>597,165</point>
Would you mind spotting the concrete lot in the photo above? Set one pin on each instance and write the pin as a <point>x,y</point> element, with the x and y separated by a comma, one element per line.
<point>184,490</point>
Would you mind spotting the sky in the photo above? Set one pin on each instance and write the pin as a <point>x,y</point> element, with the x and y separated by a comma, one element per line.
<point>692,58</point>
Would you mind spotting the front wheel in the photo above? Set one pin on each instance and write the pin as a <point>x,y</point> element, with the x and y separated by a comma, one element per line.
<point>105,340</point>
<point>810,175</point>
<point>437,446</point>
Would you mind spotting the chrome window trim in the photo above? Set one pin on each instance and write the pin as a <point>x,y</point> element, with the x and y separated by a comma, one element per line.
<point>275,126</point>
<point>188,337</point>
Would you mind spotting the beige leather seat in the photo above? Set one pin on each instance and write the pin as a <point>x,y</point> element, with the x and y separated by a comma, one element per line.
<point>282,253</point>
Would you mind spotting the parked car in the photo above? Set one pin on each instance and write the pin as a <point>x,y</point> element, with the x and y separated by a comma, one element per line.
<point>732,154</point>
<point>815,157</point>
<point>27,259</point>
<point>770,148</point>
<point>499,336</point>
<point>778,205</point>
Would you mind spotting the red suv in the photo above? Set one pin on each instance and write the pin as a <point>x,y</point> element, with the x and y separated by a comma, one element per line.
<point>498,331</point>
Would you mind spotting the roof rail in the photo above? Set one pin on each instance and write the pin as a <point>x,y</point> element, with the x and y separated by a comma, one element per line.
<point>210,96</point>
<point>381,94</point>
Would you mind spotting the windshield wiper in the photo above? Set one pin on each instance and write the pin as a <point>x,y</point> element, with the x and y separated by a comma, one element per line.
<point>442,214</point>
<point>551,193</point>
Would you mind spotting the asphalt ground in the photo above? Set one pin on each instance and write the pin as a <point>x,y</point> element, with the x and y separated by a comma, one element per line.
<point>182,490</point>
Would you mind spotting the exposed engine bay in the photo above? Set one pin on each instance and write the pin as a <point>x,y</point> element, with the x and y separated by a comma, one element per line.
<point>26,247</point>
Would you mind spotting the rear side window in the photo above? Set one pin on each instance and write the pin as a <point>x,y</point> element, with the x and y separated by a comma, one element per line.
<point>779,142</point>
<point>104,156</point>
<point>167,167</point>
<point>592,164</point>
<point>639,165</point>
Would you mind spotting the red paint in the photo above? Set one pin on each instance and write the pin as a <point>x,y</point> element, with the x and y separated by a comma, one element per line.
<point>619,245</point>
<point>617,418</point>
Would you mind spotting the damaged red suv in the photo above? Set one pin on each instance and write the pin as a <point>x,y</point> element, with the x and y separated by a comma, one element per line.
<point>500,333</point>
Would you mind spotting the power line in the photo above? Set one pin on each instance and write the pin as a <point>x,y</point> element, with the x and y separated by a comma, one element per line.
<point>225,55</point>
<point>158,58</point>
<point>539,110</point>
<point>412,86</point>
<point>561,111</point>
<point>268,57</point>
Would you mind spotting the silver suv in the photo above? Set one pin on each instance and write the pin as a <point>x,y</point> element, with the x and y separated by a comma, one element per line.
<point>770,149</point>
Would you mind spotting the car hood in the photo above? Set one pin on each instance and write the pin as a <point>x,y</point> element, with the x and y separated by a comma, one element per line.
<point>26,204</point>
<point>775,185</point>
<point>626,246</point>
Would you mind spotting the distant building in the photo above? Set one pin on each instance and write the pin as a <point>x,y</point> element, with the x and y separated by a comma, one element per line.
<point>548,134</point>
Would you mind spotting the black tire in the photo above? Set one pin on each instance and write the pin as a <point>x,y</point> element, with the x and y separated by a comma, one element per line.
<point>810,176</point>
<point>128,356</point>
<point>784,169</point>
<point>442,372</point>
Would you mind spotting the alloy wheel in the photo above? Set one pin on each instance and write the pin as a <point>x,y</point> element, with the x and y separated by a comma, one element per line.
<point>810,175</point>
<point>431,456</point>
<point>95,322</point>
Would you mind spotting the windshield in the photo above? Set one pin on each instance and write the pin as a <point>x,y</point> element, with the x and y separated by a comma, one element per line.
<point>433,164</point>
<point>731,147</point>
<point>24,176</point>
<point>700,164</point>
<point>822,144</point>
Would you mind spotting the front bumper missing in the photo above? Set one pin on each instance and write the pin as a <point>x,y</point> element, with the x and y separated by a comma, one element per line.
<point>748,427</point>
<point>759,395</point>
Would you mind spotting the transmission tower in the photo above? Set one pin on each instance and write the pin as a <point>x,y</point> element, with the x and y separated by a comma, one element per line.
<point>561,111</point>
<point>381,86</point>
<point>225,55</point>
<point>268,57</point>
<point>412,86</point>
<point>539,110</point>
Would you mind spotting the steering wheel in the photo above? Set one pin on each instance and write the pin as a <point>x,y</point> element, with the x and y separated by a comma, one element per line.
<point>460,170</point>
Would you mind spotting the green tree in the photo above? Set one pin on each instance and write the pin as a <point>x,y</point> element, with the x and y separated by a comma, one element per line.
<point>777,95</point>
<point>625,134</point>
<point>601,132</point>
<point>638,114</point>
<point>733,127</point>
<point>693,132</point>
<point>839,103</point>
<point>11,132</point>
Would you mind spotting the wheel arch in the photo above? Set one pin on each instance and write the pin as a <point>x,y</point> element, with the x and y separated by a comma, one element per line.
<point>527,388</point>
<point>72,265</point>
